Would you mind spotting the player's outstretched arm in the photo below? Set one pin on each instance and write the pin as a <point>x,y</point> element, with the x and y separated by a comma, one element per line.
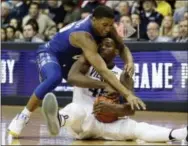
<point>84,40</point>
<point>77,75</point>
<point>124,52</point>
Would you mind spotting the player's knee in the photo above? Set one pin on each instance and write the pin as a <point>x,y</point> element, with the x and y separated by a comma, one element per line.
<point>54,78</point>
<point>75,113</point>
<point>78,110</point>
<point>140,129</point>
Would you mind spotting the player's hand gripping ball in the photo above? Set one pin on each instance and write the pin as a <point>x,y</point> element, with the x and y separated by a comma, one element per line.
<point>107,116</point>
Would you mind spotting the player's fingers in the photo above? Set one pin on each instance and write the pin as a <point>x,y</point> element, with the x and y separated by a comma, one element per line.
<point>132,105</point>
<point>136,104</point>
<point>142,104</point>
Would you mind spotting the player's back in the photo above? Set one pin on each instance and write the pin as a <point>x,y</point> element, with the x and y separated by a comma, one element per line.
<point>61,47</point>
<point>60,43</point>
<point>86,95</point>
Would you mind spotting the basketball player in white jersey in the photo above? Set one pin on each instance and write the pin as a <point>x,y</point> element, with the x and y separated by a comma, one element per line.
<point>78,117</point>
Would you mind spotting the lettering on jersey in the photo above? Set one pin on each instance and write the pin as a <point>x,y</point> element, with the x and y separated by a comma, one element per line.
<point>95,75</point>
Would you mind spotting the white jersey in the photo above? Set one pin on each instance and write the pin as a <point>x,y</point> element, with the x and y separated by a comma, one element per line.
<point>86,95</point>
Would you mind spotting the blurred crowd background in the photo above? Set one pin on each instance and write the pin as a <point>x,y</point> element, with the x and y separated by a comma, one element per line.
<point>140,20</point>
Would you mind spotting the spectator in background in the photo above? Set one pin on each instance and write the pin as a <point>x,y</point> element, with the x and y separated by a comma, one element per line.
<point>16,24</point>
<point>50,32</point>
<point>172,4</point>
<point>137,7</point>
<point>44,21</point>
<point>181,7</point>
<point>167,26</point>
<point>85,12</point>
<point>29,32</point>
<point>175,32</point>
<point>10,33</point>
<point>113,4</point>
<point>153,33</point>
<point>5,14</point>
<point>136,25</point>
<point>90,4</point>
<point>126,20</point>
<point>3,35</point>
<point>164,8</point>
<point>185,16</point>
<point>35,25</point>
<point>73,13</point>
<point>20,9</point>
<point>123,8</point>
<point>147,15</point>
<point>55,10</point>
<point>183,31</point>
<point>124,28</point>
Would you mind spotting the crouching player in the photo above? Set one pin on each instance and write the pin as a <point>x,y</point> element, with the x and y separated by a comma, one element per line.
<point>79,118</point>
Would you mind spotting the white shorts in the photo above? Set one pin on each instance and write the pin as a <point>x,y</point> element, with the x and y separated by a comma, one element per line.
<point>83,125</point>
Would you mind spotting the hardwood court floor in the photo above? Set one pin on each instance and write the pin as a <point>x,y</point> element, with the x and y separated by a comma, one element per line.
<point>35,133</point>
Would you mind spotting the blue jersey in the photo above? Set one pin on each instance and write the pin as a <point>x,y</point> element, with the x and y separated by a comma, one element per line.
<point>61,47</point>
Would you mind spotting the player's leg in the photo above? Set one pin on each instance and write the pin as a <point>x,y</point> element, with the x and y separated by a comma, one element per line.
<point>125,129</point>
<point>152,133</point>
<point>51,73</point>
<point>71,116</point>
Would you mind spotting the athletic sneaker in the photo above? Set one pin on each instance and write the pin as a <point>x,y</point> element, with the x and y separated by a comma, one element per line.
<point>17,124</point>
<point>51,113</point>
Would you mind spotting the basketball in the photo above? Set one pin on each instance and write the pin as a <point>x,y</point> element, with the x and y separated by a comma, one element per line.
<point>106,117</point>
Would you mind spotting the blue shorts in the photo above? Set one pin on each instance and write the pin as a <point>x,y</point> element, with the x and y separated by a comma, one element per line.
<point>50,73</point>
<point>44,58</point>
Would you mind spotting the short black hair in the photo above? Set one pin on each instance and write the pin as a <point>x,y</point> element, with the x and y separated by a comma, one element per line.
<point>103,11</point>
<point>34,24</point>
<point>34,3</point>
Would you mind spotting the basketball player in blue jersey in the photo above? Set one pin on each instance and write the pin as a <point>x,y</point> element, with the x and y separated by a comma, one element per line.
<point>78,118</point>
<point>56,57</point>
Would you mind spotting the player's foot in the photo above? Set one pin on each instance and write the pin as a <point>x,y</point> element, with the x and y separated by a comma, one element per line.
<point>51,113</point>
<point>17,124</point>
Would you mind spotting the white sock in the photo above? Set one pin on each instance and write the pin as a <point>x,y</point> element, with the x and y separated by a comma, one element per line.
<point>25,111</point>
<point>179,134</point>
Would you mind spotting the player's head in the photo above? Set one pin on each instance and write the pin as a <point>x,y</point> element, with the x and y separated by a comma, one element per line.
<point>102,20</point>
<point>108,49</point>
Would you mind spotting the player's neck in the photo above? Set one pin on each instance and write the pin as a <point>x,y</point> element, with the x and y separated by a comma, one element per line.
<point>110,65</point>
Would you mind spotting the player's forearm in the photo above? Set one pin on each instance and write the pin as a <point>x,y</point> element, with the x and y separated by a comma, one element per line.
<point>114,82</point>
<point>126,55</point>
<point>124,51</point>
<point>85,82</point>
